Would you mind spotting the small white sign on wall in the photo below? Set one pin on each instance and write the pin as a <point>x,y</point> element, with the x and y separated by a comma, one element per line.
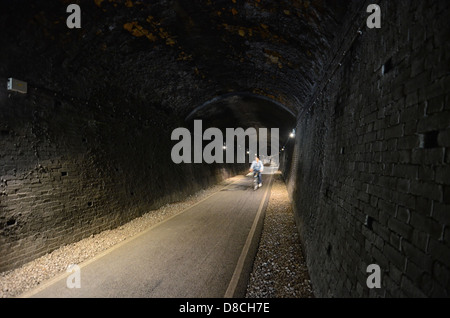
<point>17,86</point>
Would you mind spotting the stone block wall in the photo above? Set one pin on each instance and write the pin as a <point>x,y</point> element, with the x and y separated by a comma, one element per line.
<point>70,168</point>
<point>370,171</point>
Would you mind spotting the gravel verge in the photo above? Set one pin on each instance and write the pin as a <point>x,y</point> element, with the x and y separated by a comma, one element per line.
<point>279,269</point>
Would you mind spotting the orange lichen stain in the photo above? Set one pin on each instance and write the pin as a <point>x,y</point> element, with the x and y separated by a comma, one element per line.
<point>138,31</point>
<point>274,57</point>
<point>234,1</point>
<point>242,31</point>
<point>219,13</point>
<point>197,72</point>
<point>184,57</point>
<point>129,3</point>
<point>170,42</point>
<point>164,35</point>
<point>234,11</point>
<point>261,92</point>
<point>150,20</point>
<point>265,34</point>
<point>155,30</point>
<point>98,2</point>
<point>272,53</point>
<point>151,37</point>
<point>129,26</point>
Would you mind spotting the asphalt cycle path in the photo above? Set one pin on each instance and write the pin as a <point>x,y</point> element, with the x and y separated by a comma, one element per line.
<point>206,251</point>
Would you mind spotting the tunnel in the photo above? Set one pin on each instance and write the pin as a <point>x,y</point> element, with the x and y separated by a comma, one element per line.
<point>85,133</point>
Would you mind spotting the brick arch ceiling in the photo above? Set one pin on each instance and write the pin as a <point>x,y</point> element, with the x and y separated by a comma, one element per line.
<point>173,54</point>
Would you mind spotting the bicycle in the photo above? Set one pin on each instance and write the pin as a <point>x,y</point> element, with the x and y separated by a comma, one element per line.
<point>255,180</point>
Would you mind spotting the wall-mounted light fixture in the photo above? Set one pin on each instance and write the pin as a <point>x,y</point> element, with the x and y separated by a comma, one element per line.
<point>292,134</point>
<point>17,86</point>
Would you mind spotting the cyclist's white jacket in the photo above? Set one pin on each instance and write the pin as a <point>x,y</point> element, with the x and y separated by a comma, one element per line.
<point>257,166</point>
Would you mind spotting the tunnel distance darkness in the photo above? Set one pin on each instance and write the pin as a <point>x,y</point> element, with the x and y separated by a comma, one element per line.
<point>214,151</point>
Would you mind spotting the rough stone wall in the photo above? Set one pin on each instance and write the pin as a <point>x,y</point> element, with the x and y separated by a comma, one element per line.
<point>370,177</point>
<point>69,169</point>
<point>88,148</point>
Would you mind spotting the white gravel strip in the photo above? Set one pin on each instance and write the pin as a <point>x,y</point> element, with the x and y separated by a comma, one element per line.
<point>279,269</point>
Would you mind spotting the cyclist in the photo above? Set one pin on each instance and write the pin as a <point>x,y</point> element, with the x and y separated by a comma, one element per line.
<point>257,167</point>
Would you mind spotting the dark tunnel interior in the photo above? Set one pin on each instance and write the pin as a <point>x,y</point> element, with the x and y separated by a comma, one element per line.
<point>88,147</point>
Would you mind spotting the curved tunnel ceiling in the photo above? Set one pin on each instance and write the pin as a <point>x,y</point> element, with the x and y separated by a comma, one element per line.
<point>245,110</point>
<point>174,54</point>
